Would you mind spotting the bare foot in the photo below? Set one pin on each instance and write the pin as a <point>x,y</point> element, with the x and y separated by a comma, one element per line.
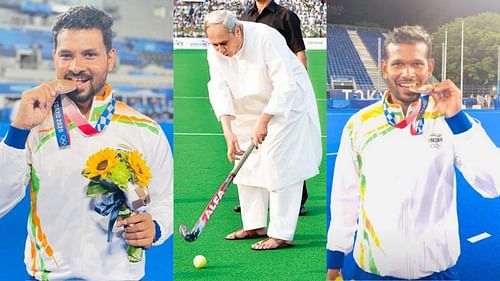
<point>271,244</point>
<point>246,234</point>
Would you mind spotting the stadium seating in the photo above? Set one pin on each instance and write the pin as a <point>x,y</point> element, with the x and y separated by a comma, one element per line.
<point>343,59</point>
<point>142,62</point>
<point>17,38</point>
<point>370,39</point>
<point>7,50</point>
<point>139,52</point>
<point>132,51</point>
<point>126,55</point>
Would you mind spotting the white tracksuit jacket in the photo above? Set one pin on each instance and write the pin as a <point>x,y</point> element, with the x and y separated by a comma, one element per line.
<point>402,190</point>
<point>66,237</point>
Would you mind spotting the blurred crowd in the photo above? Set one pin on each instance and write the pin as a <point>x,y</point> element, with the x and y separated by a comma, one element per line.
<point>188,16</point>
<point>483,101</point>
<point>158,108</point>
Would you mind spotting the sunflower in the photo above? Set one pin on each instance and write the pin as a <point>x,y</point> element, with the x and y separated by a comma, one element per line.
<point>101,164</point>
<point>139,168</point>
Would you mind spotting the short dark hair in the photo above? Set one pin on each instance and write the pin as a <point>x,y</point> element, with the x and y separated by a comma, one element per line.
<point>409,34</point>
<point>85,17</point>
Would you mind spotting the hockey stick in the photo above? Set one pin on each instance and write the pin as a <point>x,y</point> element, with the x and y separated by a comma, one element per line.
<point>192,235</point>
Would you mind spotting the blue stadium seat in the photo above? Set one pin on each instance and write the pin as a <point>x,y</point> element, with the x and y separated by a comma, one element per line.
<point>152,51</point>
<point>131,51</point>
<point>370,39</point>
<point>126,55</point>
<point>343,59</point>
<point>15,38</point>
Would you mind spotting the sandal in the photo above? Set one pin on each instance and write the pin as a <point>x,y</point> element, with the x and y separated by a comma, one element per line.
<point>245,234</point>
<point>271,244</point>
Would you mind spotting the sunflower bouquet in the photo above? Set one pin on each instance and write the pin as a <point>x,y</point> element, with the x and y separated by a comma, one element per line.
<point>118,186</point>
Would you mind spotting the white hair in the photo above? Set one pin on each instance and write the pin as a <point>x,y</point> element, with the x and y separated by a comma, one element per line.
<point>227,18</point>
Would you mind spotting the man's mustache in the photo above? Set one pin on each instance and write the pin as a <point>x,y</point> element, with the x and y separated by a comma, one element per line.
<point>74,76</point>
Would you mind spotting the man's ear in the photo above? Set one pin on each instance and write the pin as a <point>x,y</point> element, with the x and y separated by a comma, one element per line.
<point>111,59</point>
<point>430,66</point>
<point>383,68</point>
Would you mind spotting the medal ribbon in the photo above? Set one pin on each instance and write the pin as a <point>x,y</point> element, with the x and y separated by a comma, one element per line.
<point>60,127</point>
<point>415,118</point>
<point>83,125</point>
<point>419,120</point>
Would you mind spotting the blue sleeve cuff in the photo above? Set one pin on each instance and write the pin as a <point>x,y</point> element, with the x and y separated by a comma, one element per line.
<point>334,259</point>
<point>459,123</point>
<point>157,231</point>
<point>16,137</point>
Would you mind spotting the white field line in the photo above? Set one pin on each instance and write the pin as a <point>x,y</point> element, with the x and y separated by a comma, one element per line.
<point>205,98</point>
<point>192,98</point>
<point>205,134</point>
<point>198,134</point>
<point>479,237</point>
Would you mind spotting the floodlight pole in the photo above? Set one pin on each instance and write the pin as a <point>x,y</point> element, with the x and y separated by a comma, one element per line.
<point>498,76</point>
<point>379,55</point>
<point>462,62</point>
<point>445,52</point>
<point>443,62</point>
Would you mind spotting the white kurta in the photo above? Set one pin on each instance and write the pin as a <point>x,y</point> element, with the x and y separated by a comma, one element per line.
<point>266,77</point>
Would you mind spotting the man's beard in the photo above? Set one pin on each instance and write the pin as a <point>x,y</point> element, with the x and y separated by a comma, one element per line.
<point>79,98</point>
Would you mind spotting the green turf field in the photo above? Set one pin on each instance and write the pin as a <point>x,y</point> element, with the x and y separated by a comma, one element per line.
<point>201,166</point>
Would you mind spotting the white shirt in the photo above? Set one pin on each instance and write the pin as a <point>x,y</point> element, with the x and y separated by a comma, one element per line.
<point>264,76</point>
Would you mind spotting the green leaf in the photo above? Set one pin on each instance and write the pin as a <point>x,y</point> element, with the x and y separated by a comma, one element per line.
<point>125,212</point>
<point>134,254</point>
<point>95,189</point>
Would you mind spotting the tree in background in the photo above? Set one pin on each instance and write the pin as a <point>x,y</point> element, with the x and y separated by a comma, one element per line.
<point>481,42</point>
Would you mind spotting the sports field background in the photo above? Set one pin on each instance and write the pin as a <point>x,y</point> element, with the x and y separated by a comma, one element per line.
<point>476,215</point>
<point>13,236</point>
<point>201,166</point>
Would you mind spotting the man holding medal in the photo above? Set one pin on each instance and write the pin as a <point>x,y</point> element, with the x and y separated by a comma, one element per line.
<point>394,179</point>
<point>58,125</point>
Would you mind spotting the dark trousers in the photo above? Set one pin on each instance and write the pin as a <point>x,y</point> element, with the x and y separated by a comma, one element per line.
<point>304,194</point>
